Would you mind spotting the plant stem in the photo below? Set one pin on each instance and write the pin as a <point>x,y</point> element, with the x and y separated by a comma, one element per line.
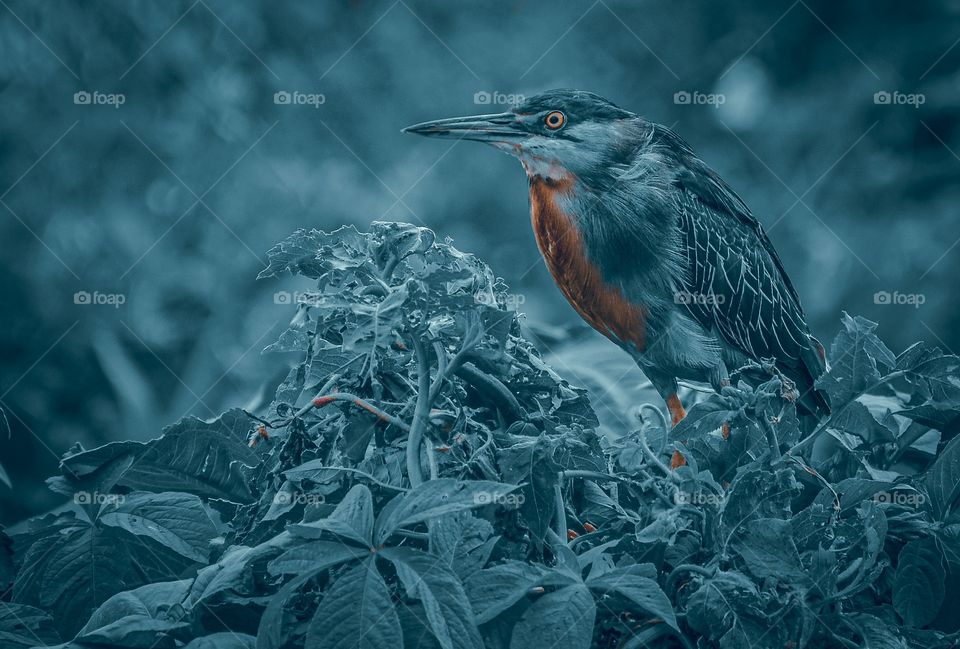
<point>322,400</point>
<point>561,518</point>
<point>415,437</point>
<point>649,454</point>
<point>686,567</point>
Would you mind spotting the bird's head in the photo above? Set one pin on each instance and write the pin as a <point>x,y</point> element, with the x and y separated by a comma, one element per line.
<point>554,134</point>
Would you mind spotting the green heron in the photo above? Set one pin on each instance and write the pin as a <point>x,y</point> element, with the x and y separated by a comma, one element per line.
<point>649,245</point>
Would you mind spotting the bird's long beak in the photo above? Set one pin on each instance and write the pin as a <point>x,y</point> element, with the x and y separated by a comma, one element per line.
<point>499,127</point>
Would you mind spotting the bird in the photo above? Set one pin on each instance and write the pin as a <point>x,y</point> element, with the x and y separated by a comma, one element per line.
<point>650,246</point>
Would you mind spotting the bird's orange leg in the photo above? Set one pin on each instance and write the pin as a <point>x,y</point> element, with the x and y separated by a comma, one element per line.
<point>677,413</point>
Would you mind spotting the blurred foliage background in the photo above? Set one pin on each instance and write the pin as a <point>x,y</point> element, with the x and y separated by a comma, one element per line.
<point>172,198</point>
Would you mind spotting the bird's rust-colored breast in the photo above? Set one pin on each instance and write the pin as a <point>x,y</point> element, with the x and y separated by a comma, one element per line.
<point>603,306</point>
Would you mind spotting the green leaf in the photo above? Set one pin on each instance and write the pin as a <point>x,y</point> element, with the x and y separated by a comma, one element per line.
<point>707,416</point>
<point>563,618</point>
<point>24,626</point>
<point>177,521</point>
<point>767,549</point>
<point>352,519</point>
<point>532,463</point>
<point>314,557</point>
<point>356,612</point>
<point>78,568</point>
<point>918,585</point>
<point>943,479</point>
<point>224,640</point>
<point>436,498</point>
<point>192,456</point>
<point>462,541</point>
<point>141,618</point>
<point>234,572</point>
<point>495,589</point>
<point>854,356</point>
<point>644,592</point>
<point>728,606</point>
<point>446,605</point>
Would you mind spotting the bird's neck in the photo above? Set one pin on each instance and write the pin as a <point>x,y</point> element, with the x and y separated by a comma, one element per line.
<point>560,239</point>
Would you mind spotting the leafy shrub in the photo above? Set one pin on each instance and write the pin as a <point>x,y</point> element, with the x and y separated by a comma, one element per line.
<point>423,479</point>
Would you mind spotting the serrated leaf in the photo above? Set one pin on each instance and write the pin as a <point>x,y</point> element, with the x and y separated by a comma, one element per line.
<point>356,612</point>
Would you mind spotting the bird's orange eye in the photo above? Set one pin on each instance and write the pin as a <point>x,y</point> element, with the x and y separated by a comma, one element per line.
<point>555,120</point>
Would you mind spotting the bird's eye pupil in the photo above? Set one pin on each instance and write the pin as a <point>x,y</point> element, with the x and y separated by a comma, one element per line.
<point>555,120</point>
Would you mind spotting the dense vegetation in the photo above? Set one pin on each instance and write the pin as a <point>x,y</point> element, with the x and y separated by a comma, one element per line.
<point>423,479</point>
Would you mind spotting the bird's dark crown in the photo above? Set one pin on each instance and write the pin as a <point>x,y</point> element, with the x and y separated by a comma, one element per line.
<point>575,104</point>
